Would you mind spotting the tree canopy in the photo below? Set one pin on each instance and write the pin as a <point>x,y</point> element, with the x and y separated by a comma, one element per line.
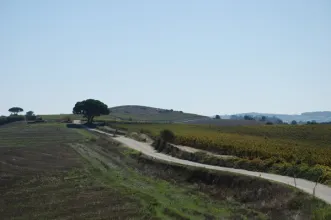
<point>217,117</point>
<point>90,108</point>
<point>30,116</point>
<point>29,113</point>
<point>15,110</point>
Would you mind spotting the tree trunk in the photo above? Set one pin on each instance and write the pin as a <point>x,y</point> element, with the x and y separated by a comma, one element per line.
<point>90,119</point>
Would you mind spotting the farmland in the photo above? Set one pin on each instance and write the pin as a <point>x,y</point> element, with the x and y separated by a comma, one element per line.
<point>304,150</point>
<point>46,179</point>
<point>53,171</point>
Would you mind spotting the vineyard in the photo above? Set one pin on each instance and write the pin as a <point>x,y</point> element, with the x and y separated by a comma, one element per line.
<point>306,146</point>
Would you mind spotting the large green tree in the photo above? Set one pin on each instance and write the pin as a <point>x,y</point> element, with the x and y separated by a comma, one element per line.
<point>15,110</point>
<point>90,108</point>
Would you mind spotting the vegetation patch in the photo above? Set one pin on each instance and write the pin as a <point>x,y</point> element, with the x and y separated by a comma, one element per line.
<point>300,150</point>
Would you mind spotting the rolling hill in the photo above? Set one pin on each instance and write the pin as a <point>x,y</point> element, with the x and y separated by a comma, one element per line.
<point>319,116</point>
<point>145,113</point>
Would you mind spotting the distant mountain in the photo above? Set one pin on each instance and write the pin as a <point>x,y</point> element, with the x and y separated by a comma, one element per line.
<point>321,116</point>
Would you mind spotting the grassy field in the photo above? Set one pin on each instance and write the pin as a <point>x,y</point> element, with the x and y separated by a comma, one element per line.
<point>303,150</point>
<point>66,173</point>
<point>60,116</point>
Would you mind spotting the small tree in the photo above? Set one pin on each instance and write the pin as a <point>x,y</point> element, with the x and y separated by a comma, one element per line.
<point>294,122</point>
<point>29,113</point>
<point>90,108</point>
<point>217,117</point>
<point>15,110</point>
<point>167,135</point>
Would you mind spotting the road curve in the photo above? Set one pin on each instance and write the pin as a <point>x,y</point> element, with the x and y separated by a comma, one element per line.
<point>321,191</point>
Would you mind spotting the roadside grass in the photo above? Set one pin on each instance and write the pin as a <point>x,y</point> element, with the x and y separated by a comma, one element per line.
<point>163,198</point>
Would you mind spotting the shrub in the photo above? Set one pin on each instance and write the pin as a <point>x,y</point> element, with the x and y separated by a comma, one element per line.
<point>12,118</point>
<point>167,135</point>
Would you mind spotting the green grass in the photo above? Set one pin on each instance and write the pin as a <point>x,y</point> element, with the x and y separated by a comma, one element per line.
<point>60,116</point>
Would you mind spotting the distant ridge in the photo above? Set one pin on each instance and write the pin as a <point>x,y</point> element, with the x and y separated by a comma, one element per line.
<point>318,116</point>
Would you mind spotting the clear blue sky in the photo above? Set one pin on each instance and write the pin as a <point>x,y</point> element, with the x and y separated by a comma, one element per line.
<point>206,57</point>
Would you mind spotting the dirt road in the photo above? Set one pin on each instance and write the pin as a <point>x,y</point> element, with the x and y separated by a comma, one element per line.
<point>323,192</point>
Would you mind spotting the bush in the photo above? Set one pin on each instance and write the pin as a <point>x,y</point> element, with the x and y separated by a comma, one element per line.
<point>160,145</point>
<point>12,118</point>
<point>3,120</point>
<point>167,135</point>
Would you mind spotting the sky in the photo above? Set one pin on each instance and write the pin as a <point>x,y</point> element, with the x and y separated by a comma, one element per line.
<point>207,57</point>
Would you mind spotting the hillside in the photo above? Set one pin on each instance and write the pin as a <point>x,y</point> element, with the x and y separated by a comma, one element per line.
<point>145,113</point>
